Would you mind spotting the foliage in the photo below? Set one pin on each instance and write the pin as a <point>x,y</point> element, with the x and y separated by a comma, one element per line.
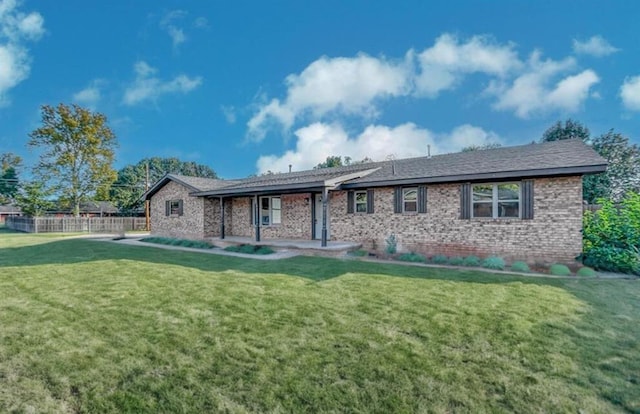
<point>569,130</point>
<point>412,257</point>
<point>131,180</point>
<point>493,262</point>
<point>33,198</point>
<point>391,244</point>
<point>249,249</point>
<point>456,261</point>
<point>358,253</point>
<point>559,270</point>
<point>440,259</point>
<point>623,172</point>
<point>586,272</point>
<point>197,244</point>
<point>519,266</point>
<point>337,161</point>
<point>611,236</point>
<point>78,150</point>
<point>471,261</point>
<point>490,145</point>
<point>9,183</point>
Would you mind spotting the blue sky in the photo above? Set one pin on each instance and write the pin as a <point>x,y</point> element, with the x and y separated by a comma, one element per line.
<point>247,87</point>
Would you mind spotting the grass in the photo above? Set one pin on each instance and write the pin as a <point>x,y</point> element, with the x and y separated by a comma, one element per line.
<point>91,326</point>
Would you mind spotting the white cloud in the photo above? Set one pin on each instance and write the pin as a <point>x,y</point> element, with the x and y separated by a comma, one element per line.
<point>169,24</point>
<point>201,23</point>
<point>91,95</point>
<point>16,28</point>
<point>229,113</point>
<point>345,85</point>
<point>630,93</point>
<point>534,91</point>
<point>147,87</point>
<point>596,46</point>
<point>444,65</point>
<point>319,140</point>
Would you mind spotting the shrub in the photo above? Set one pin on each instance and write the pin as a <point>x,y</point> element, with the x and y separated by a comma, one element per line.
<point>358,253</point>
<point>611,236</point>
<point>249,249</point>
<point>412,257</point>
<point>586,272</point>
<point>440,259</point>
<point>264,250</point>
<point>559,270</point>
<point>471,261</point>
<point>198,244</point>
<point>520,266</point>
<point>456,261</point>
<point>392,244</point>
<point>493,262</point>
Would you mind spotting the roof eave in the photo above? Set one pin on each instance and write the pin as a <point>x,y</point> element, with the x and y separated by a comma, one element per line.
<point>545,172</point>
<point>271,189</point>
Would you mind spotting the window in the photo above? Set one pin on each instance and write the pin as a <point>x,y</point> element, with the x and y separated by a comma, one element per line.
<point>173,207</point>
<point>410,200</point>
<point>496,200</point>
<point>270,211</point>
<point>361,201</point>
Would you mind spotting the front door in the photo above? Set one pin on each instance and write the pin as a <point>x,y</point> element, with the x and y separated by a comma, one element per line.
<point>318,217</point>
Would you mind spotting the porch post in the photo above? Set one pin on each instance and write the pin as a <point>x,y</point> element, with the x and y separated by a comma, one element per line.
<point>325,200</point>
<point>221,218</point>
<point>257,217</point>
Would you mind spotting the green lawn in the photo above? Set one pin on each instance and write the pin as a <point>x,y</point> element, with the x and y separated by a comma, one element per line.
<point>93,327</point>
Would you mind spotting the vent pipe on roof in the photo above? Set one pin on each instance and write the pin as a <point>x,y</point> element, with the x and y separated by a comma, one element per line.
<point>428,151</point>
<point>393,168</point>
<point>289,167</point>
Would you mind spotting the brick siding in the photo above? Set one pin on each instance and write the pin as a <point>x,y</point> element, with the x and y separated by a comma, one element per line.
<point>188,226</point>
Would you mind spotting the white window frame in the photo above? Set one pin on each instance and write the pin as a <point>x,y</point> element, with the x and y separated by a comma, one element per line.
<point>274,214</point>
<point>495,201</point>
<point>356,203</point>
<point>405,190</point>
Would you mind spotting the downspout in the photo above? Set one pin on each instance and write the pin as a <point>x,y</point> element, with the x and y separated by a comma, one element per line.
<point>257,218</point>
<point>221,218</point>
<point>325,199</point>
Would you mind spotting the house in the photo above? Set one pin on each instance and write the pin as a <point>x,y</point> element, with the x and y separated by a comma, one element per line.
<point>9,210</point>
<point>87,209</point>
<point>522,202</point>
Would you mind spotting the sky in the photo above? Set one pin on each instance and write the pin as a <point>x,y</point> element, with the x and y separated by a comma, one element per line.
<point>247,87</point>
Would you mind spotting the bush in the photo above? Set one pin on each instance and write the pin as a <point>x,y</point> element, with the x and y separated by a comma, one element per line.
<point>392,244</point>
<point>249,249</point>
<point>613,259</point>
<point>494,262</point>
<point>440,259</point>
<point>520,267</point>
<point>264,250</point>
<point>197,244</point>
<point>611,236</point>
<point>586,272</point>
<point>559,270</point>
<point>358,253</point>
<point>456,261</point>
<point>471,261</point>
<point>412,257</point>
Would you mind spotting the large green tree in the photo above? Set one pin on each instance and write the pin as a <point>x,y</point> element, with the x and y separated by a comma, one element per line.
<point>34,198</point>
<point>567,130</point>
<point>77,153</point>
<point>474,147</point>
<point>338,161</point>
<point>132,180</point>
<point>10,165</point>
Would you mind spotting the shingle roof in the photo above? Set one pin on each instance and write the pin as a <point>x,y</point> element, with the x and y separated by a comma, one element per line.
<point>531,160</point>
<point>8,208</point>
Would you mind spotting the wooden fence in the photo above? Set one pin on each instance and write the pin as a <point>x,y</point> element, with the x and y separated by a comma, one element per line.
<point>76,225</point>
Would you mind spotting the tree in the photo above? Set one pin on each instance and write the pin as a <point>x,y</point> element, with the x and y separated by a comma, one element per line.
<point>490,145</point>
<point>33,198</point>
<point>623,173</point>
<point>10,165</point>
<point>131,182</point>
<point>570,129</point>
<point>78,152</point>
<point>337,161</point>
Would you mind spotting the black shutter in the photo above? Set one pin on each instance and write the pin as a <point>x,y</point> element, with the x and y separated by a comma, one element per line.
<point>167,208</point>
<point>465,201</point>
<point>370,209</point>
<point>397,200</point>
<point>350,202</point>
<point>527,199</point>
<point>422,199</point>
<point>251,212</point>
<point>179,207</point>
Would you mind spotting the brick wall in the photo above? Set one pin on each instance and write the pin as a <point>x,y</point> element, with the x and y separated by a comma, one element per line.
<point>188,226</point>
<point>552,236</point>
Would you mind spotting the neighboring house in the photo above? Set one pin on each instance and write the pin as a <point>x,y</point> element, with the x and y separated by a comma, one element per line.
<point>522,202</point>
<point>88,209</point>
<point>9,210</point>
